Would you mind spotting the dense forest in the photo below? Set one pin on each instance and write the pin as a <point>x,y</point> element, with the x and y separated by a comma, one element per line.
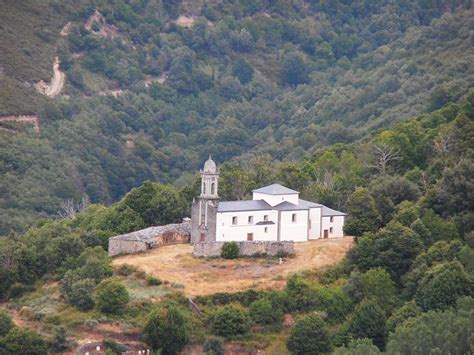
<point>149,95</point>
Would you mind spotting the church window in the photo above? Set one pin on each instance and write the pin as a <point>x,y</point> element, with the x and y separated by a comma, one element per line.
<point>213,188</point>
<point>293,217</point>
<point>330,230</point>
<point>234,220</point>
<point>331,219</point>
<point>265,218</point>
<point>203,187</point>
<point>250,219</point>
<point>266,229</point>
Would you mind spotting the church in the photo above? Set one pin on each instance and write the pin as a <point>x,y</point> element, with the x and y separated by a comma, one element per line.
<point>275,213</point>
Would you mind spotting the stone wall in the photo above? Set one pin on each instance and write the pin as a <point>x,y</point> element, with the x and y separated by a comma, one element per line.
<point>246,248</point>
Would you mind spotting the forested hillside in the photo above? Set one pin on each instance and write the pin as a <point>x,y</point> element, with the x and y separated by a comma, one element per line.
<point>153,87</point>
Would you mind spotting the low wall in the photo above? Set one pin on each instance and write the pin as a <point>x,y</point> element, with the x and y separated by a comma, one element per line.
<point>245,248</point>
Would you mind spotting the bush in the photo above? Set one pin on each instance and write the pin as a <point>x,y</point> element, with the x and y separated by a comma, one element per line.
<point>115,347</point>
<point>166,330</point>
<point>153,281</point>
<point>22,341</point>
<point>309,336</point>
<point>214,346</point>
<point>230,250</point>
<point>112,296</point>
<point>5,323</point>
<point>80,295</point>
<point>264,312</point>
<point>125,270</point>
<point>59,343</point>
<point>230,320</point>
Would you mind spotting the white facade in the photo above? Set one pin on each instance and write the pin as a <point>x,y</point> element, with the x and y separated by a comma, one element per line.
<point>276,214</point>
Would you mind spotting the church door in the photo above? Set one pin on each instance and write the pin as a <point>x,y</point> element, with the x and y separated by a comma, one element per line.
<point>326,233</point>
<point>249,236</point>
<point>202,237</point>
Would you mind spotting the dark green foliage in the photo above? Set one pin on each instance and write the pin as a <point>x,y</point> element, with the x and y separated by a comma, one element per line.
<point>80,294</point>
<point>368,321</point>
<point>6,323</point>
<point>22,341</point>
<point>115,347</point>
<point>222,298</point>
<point>59,342</point>
<point>229,321</point>
<point>441,286</point>
<point>447,332</point>
<point>214,346</point>
<point>111,296</point>
<point>407,311</point>
<point>165,330</point>
<point>358,347</point>
<point>363,215</point>
<point>243,71</point>
<point>263,311</point>
<point>294,70</point>
<point>230,250</point>
<point>309,336</point>
<point>153,281</point>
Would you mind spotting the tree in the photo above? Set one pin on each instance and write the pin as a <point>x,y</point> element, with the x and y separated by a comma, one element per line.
<point>384,154</point>
<point>81,294</point>
<point>243,71</point>
<point>264,312</point>
<point>368,321</point>
<point>362,214</point>
<point>378,285</point>
<point>358,347</point>
<point>309,336</point>
<point>59,343</point>
<point>442,285</point>
<point>214,346</point>
<point>23,341</point>
<point>111,296</point>
<point>165,330</point>
<point>230,320</point>
<point>407,311</point>
<point>5,323</point>
<point>436,332</point>
<point>294,70</point>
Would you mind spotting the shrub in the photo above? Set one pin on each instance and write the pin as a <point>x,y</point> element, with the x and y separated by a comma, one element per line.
<point>214,346</point>
<point>125,270</point>
<point>23,341</point>
<point>230,320</point>
<point>80,295</point>
<point>309,336</point>
<point>264,312</point>
<point>166,330</point>
<point>59,343</point>
<point>5,323</point>
<point>112,296</point>
<point>115,347</point>
<point>230,250</point>
<point>153,281</point>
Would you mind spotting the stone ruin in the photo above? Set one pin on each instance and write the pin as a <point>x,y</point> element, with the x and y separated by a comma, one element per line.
<point>152,237</point>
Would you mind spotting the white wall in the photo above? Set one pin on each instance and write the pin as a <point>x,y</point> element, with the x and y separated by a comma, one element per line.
<point>274,200</point>
<point>337,225</point>
<point>226,231</point>
<point>315,227</point>
<point>295,231</point>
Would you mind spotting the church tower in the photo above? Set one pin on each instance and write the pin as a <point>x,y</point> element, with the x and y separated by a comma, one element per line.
<point>204,207</point>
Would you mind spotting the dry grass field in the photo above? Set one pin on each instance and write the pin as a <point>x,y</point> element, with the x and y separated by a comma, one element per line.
<point>201,276</point>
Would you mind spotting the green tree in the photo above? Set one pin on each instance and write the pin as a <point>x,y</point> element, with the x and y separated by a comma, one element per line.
<point>362,214</point>
<point>310,335</point>
<point>166,331</point>
<point>264,312</point>
<point>214,346</point>
<point>80,295</point>
<point>368,321</point>
<point>358,347</point>
<point>230,250</point>
<point>111,296</point>
<point>442,285</point>
<point>23,341</point>
<point>230,320</point>
<point>378,285</point>
<point>294,70</point>
<point>243,71</point>
<point>59,343</point>
<point>407,311</point>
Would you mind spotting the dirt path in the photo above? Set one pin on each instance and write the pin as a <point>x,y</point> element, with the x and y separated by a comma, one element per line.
<point>199,276</point>
<point>57,82</point>
<point>32,119</point>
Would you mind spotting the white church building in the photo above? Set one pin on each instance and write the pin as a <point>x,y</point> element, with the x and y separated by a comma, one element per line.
<point>275,213</point>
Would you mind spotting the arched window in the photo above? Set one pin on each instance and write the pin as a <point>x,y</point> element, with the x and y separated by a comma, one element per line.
<point>213,188</point>
<point>203,188</point>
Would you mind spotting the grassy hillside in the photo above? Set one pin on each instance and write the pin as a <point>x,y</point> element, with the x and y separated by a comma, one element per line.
<point>241,80</point>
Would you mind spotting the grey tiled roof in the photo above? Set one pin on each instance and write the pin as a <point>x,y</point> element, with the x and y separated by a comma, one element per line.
<point>330,212</point>
<point>247,205</point>
<point>302,205</point>
<point>275,189</point>
<point>147,234</point>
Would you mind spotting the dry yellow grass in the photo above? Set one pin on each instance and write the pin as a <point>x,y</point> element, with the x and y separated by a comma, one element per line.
<point>199,276</point>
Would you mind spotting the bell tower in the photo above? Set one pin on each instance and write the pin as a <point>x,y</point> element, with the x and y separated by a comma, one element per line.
<point>204,207</point>
<point>209,180</point>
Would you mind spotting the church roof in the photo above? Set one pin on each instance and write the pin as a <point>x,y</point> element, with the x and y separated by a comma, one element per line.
<point>302,205</point>
<point>275,189</point>
<point>246,205</point>
<point>330,212</point>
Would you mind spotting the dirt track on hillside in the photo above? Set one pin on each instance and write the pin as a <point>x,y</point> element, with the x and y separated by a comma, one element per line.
<point>199,276</point>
